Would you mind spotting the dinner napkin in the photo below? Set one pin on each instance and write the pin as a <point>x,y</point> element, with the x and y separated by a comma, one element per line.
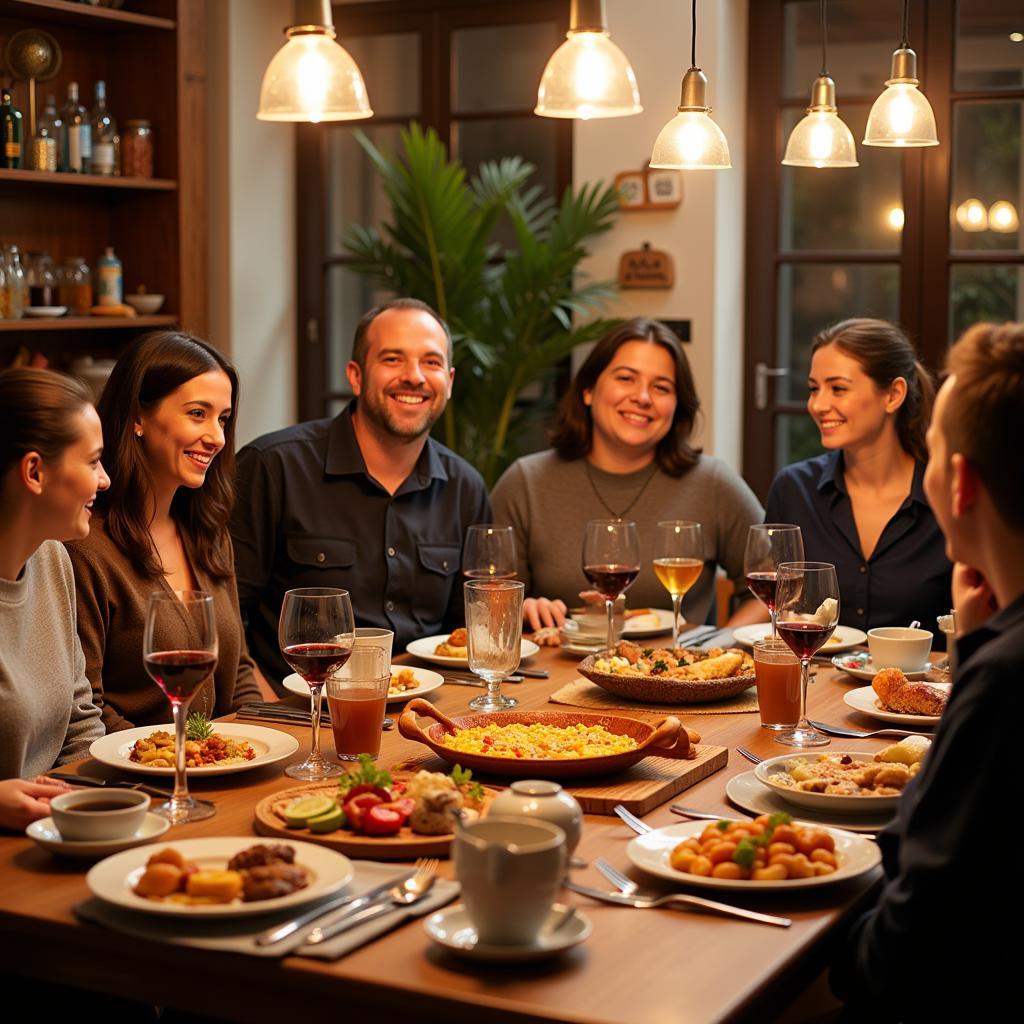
<point>237,935</point>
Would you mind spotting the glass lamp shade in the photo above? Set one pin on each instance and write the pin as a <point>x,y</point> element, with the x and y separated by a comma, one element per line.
<point>588,76</point>
<point>1002,217</point>
<point>821,139</point>
<point>312,78</point>
<point>901,116</point>
<point>691,141</point>
<point>971,215</point>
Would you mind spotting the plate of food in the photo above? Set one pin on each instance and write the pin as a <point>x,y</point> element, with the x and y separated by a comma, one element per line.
<point>545,744</point>
<point>644,622</point>
<point>865,699</point>
<point>406,682</point>
<point>738,855</point>
<point>450,649</point>
<point>843,638</point>
<point>221,748</point>
<point>676,675</point>
<point>859,665</point>
<point>371,812</point>
<point>226,876</point>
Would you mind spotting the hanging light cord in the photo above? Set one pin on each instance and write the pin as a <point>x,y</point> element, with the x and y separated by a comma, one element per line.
<point>693,34</point>
<point>906,16</point>
<point>824,32</point>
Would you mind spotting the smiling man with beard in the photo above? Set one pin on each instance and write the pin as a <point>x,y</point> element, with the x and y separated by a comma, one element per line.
<point>366,501</point>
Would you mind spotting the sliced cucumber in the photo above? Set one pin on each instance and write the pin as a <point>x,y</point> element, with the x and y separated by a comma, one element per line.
<point>298,813</point>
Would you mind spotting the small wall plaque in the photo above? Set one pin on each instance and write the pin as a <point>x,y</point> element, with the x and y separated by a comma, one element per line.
<point>646,268</point>
<point>649,190</point>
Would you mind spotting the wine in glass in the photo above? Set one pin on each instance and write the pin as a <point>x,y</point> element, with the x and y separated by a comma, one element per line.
<point>316,633</point>
<point>611,561</point>
<point>180,671</point>
<point>678,562</point>
<point>768,544</point>
<point>807,605</point>
<point>494,628</point>
<point>489,552</point>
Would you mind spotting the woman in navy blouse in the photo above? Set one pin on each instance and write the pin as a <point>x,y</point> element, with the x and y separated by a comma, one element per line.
<point>862,504</point>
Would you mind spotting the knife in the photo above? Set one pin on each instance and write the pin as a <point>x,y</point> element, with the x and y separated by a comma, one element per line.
<point>472,680</point>
<point>372,904</point>
<point>90,780</point>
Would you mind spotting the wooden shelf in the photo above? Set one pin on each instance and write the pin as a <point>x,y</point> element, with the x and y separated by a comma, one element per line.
<point>68,13</point>
<point>88,180</point>
<point>86,323</point>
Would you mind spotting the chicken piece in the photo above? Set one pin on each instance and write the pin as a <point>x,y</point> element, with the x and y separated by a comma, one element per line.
<point>899,694</point>
<point>261,854</point>
<point>629,651</point>
<point>433,813</point>
<point>266,881</point>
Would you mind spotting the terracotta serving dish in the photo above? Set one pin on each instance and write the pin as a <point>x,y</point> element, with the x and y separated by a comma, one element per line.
<point>660,690</point>
<point>666,739</point>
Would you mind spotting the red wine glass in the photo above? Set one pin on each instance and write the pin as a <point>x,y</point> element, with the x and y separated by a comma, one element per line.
<point>807,604</point>
<point>489,552</point>
<point>316,633</point>
<point>179,651</point>
<point>611,561</point>
<point>768,544</point>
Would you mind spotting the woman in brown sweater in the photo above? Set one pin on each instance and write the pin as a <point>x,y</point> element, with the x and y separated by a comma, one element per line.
<point>168,415</point>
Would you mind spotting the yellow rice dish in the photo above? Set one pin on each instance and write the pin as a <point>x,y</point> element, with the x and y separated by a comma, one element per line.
<point>539,742</point>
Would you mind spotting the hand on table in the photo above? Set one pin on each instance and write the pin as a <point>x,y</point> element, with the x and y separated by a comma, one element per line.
<point>973,598</point>
<point>540,613</point>
<point>23,801</point>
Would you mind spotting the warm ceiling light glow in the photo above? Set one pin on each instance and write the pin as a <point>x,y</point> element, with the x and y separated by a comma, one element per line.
<point>971,215</point>
<point>692,141</point>
<point>896,218</point>
<point>1002,217</point>
<point>311,78</point>
<point>902,115</point>
<point>588,75</point>
<point>821,138</point>
<point>1017,37</point>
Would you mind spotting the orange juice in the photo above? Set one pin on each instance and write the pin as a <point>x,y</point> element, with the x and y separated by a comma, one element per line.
<point>357,720</point>
<point>777,671</point>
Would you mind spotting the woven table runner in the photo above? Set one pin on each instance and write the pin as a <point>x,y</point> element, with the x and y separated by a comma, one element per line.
<point>581,693</point>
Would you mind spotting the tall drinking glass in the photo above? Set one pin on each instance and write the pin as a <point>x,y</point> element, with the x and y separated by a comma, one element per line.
<point>179,671</point>
<point>611,561</point>
<point>768,544</point>
<point>494,627</point>
<point>807,603</point>
<point>489,552</point>
<point>678,562</point>
<point>316,633</point>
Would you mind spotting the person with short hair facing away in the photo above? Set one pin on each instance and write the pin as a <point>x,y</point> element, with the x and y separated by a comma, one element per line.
<point>935,946</point>
<point>367,501</point>
<point>50,473</point>
<point>862,505</point>
<point>168,413</point>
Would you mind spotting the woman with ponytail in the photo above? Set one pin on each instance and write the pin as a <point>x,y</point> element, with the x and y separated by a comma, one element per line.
<point>862,505</point>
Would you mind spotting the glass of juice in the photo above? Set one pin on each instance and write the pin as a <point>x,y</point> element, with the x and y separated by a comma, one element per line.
<point>356,696</point>
<point>777,670</point>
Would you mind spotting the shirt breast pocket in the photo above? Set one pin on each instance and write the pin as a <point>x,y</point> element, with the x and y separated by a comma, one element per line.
<point>319,561</point>
<point>440,565</point>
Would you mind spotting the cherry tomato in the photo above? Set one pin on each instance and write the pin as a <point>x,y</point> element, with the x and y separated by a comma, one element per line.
<point>382,820</point>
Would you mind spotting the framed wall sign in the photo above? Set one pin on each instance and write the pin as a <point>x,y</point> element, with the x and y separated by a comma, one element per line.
<point>646,268</point>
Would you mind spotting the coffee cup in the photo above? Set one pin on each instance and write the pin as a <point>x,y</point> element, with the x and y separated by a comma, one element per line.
<point>902,647</point>
<point>93,815</point>
<point>375,636</point>
<point>510,870</point>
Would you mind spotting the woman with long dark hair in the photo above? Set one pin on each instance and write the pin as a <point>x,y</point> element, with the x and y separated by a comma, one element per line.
<point>168,414</point>
<point>622,448</point>
<point>50,474</point>
<point>862,505</point>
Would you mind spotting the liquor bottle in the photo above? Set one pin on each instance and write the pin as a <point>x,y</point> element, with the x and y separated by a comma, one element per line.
<point>109,279</point>
<point>105,141</point>
<point>17,286</point>
<point>76,134</point>
<point>48,126</point>
<point>10,120</point>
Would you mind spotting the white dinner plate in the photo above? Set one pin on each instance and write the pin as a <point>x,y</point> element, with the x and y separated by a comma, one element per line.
<point>453,929</point>
<point>650,852</point>
<point>831,803</point>
<point>424,648</point>
<point>428,681</point>
<point>112,879</point>
<point>745,791</point>
<point>44,833</point>
<point>859,665</point>
<point>866,700</point>
<point>42,311</point>
<point>270,745</point>
<point>654,623</point>
<point>843,639</point>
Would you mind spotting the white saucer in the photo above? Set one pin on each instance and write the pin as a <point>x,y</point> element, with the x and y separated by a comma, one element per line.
<point>45,834</point>
<point>452,929</point>
<point>45,310</point>
<point>860,666</point>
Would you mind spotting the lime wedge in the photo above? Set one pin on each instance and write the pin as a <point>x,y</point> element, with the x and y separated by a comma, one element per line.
<point>298,813</point>
<point>328,822</point>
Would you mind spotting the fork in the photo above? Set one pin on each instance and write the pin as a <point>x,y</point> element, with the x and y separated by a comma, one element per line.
<point>749,755</point>
<point>838,730</point>
<point>639,827</point>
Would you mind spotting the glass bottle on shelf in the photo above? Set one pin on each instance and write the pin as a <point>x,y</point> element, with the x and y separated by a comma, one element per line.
<point>76,286</point>
<point>10,126</point>
<point>4,313</point>
<point>137,149</point>
<point>17,287</point>
<point>48,126</point>
<point>76,134</point>
<point>42,281</point>
<point>105,141</point>
<point>109,279</point>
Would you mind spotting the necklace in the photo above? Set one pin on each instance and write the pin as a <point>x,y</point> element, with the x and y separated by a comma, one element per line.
<point>639,494</point>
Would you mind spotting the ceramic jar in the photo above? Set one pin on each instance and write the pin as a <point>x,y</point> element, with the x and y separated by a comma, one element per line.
<point>546,801</point>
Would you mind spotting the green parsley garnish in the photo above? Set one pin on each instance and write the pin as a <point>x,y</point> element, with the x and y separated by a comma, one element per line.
<point>746,851</point>
<point>681,662</point>
<point>198,727</point>
<point>367,772</point>
<point>463,777</point>
<point>660,666</point>
<point>723,824</point>
<point>647,652</point>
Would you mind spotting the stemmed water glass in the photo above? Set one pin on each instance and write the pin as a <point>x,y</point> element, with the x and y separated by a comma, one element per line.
<point>678,562</point>
<point>611,561</point>
<point>489,552</point>
<point>807,604</point>
<point>494,630</point>
<point>769,544</point>
<point>316,633</point>
<point>179,671</point>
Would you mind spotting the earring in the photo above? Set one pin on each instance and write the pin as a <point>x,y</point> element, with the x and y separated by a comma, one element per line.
<point>138,434</point>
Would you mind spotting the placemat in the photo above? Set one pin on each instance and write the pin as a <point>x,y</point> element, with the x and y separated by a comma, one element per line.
<point>236,935</point>
<point>582,693</point>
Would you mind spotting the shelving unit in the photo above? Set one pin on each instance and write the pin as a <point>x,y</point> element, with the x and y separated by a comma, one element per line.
<point>152,56</point>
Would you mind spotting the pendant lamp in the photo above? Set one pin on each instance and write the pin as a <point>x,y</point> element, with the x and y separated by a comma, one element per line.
<point>692,141</point>
<point>821,138</point>
<point>1002,217</point>
<point>312,78</point>
<point>588,75</point>
<point>902,115</point>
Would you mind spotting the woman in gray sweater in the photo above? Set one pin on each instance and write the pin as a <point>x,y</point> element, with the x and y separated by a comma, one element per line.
<point>50,473</point>
<point>622,449</point>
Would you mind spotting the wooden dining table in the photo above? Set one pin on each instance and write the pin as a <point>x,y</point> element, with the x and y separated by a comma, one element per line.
<point>643,966</point>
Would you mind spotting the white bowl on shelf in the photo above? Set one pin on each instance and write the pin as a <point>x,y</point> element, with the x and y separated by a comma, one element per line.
<point>145,304</point>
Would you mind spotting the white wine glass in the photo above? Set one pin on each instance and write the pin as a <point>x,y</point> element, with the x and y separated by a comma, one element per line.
<point>489,552</point>
<point>769,544</point>
<point>678,562</point>
<point>494,630</point>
